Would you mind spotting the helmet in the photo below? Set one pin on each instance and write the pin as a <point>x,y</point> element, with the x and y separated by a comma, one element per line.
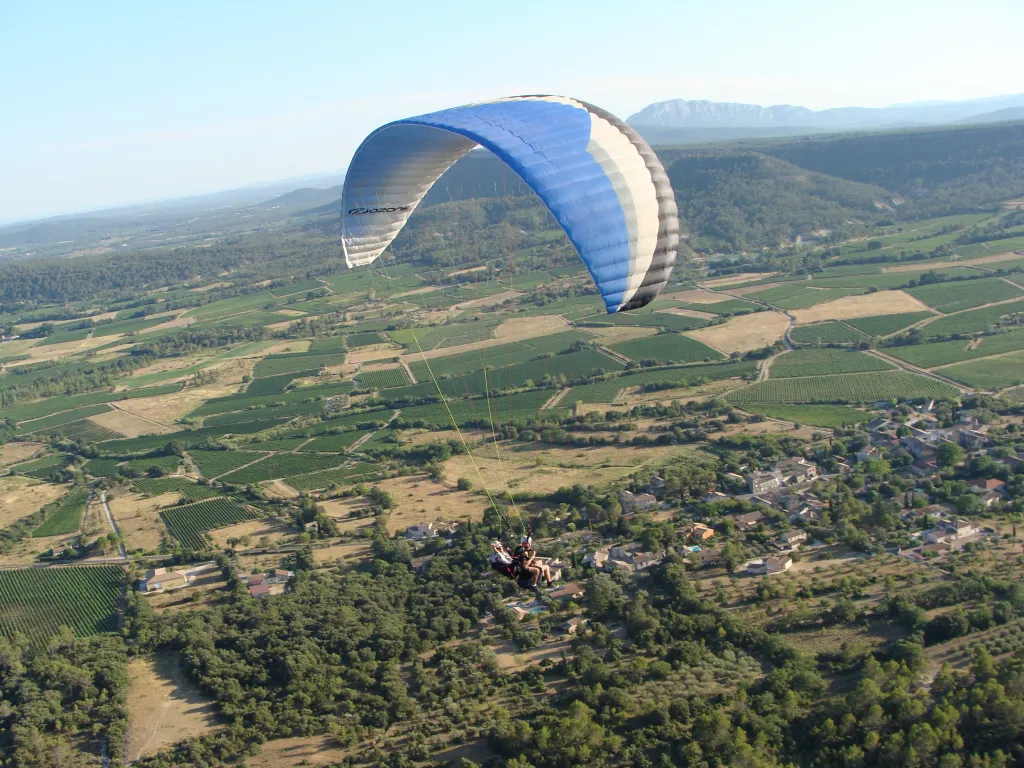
<point>525,540</point>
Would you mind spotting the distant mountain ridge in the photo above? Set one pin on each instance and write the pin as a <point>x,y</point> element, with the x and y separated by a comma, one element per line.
<point>683,113</point>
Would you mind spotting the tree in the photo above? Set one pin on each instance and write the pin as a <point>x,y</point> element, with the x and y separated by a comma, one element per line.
<point>464,484</point>
<point>949,454</point>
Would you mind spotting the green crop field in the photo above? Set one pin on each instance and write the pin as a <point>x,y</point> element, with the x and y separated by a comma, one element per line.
<point>128,326</point>
<point>283,465</point>
<point>179,485</point>
<point>727,307</point>
<point>346,475</point>
<point>820,362</point>
<point>102,467</point>
<point>830,332</point>
<point>992,374</point>
<point>883,325</point>
<point>382,379</point>
<point>364,420</point>
<point>59,419</point>
<point>164,463</point>
<point>683,376</point>
<point>667,320</point>
<point>241,402</point>
<point>891,280</point>
<point>275,365</point>
<point>188,524</point>
<point>498,356</point>
<point>285,444</point>
<point>334,344</point>
<point>216,463</point>
<point>332,443</point>
<point>848,388</point>
<point>63,516</point>
<point>945,352</point>
<point>287,411</point>
<point>972,321</point>
<point>302,286</point>
<point>833,416</point>
<point>965,294</point>
<point>667,348</point>
<point>366,339</point>
<point>85,431</point>
<point>188,438</point>
<point>38,601</point>
<point>782,292</point>
<point>54,405</point>
<point>45,467</point>
<point>272,384</point>
<point>61,338</point>
<point>449,335</point>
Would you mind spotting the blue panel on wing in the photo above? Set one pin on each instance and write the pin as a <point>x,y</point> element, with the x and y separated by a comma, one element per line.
<point>545,142</point>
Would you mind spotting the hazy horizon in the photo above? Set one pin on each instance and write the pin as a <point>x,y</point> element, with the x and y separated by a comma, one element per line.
<point>123,104</point>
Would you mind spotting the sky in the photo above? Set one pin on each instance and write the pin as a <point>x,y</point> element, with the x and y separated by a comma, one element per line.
<point>111,103</point>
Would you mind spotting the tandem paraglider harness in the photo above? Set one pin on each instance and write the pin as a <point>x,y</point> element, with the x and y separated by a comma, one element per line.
<point>510,567</point>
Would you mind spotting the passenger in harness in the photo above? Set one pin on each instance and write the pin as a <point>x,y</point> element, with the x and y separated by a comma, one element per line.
<point>503,562</point>
<point>531,569</point>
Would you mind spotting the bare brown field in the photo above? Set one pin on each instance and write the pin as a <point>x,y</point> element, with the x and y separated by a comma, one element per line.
<point>128,424</point>
<point>169,364</point>
<point>163,705</point>
<point>26,551</point>
<point>346,553</point>
<point>468,271</point>
<point>743,333</point>
<point>279,489</point>
<point>702,392</point>
<point>138,517</point>
<point>770,426</point>
<point>167,409</point>
<point>418,499</point>
<point>54,351</point>
<point>513,329</point>
<point>290,312</point>
<point>995,257</point>
<point>12,453</point>
<point>512,659</point>
<point>614,334</point>
<point>734,279</point>
<point>689,313</point>
<point>339,510</point>
<point>865,305</point>
<point>255,530</point>
<point>312,751</point>
<point>21,496</point>
<point>181,321</point>
<point>300,345</point>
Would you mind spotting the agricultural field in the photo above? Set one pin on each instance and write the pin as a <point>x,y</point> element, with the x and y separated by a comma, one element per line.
<point>58,419</point>
<point>680,377</point>
<point>85,430</point>
<point>821,362</point>
<point>63,517</point>
<point>38,601</point>
<point>276,365</point>
<point>216,463</point>
<point>382,379</point>
<point>991,374</point>
<point>884,325</point>
<point>863,305</point>
<point>946,352</point>
<point>439,336</point>
<point>23,496</point>
<point>366,339</point>
<point>832,416</point>
<point>332,443</point>
<point>829,332</point>
<point>282,465</point>
<point>188,438</point>
<point>285,412</point>
<point>178,485</point>
<point>972,321</point>
<point>243,402</point>
<point>188,524</point>
<point>272,384</point>
<point>727,307</point>
<point>166,464</point>
<point>43,468</point>
<point>965,294</point>
<point>345,475</point>
<point>103,467</point>
<point>847,388</point>
<point>667,348</point>
<point>743,333</point>
<point>499,355</point>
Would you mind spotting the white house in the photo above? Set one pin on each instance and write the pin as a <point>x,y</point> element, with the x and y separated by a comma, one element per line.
<point>770,565</point>
<point>636,502</point>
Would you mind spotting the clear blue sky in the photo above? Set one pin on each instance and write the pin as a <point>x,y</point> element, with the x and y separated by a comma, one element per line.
<point>107,103</point>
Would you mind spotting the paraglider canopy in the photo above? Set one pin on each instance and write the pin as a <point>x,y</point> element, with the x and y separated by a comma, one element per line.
<point>601,181</point>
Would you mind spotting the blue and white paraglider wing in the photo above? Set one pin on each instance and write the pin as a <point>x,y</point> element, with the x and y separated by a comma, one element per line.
<point>601,181</point>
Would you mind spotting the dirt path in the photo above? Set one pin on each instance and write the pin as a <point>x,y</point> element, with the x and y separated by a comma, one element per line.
<point>905,366</point>
<point>408,370</point>
<point>369,435</point>
<point>113,525</point>
<point>191,468</point>
<point>616,355</point>
<point>555,399</point>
